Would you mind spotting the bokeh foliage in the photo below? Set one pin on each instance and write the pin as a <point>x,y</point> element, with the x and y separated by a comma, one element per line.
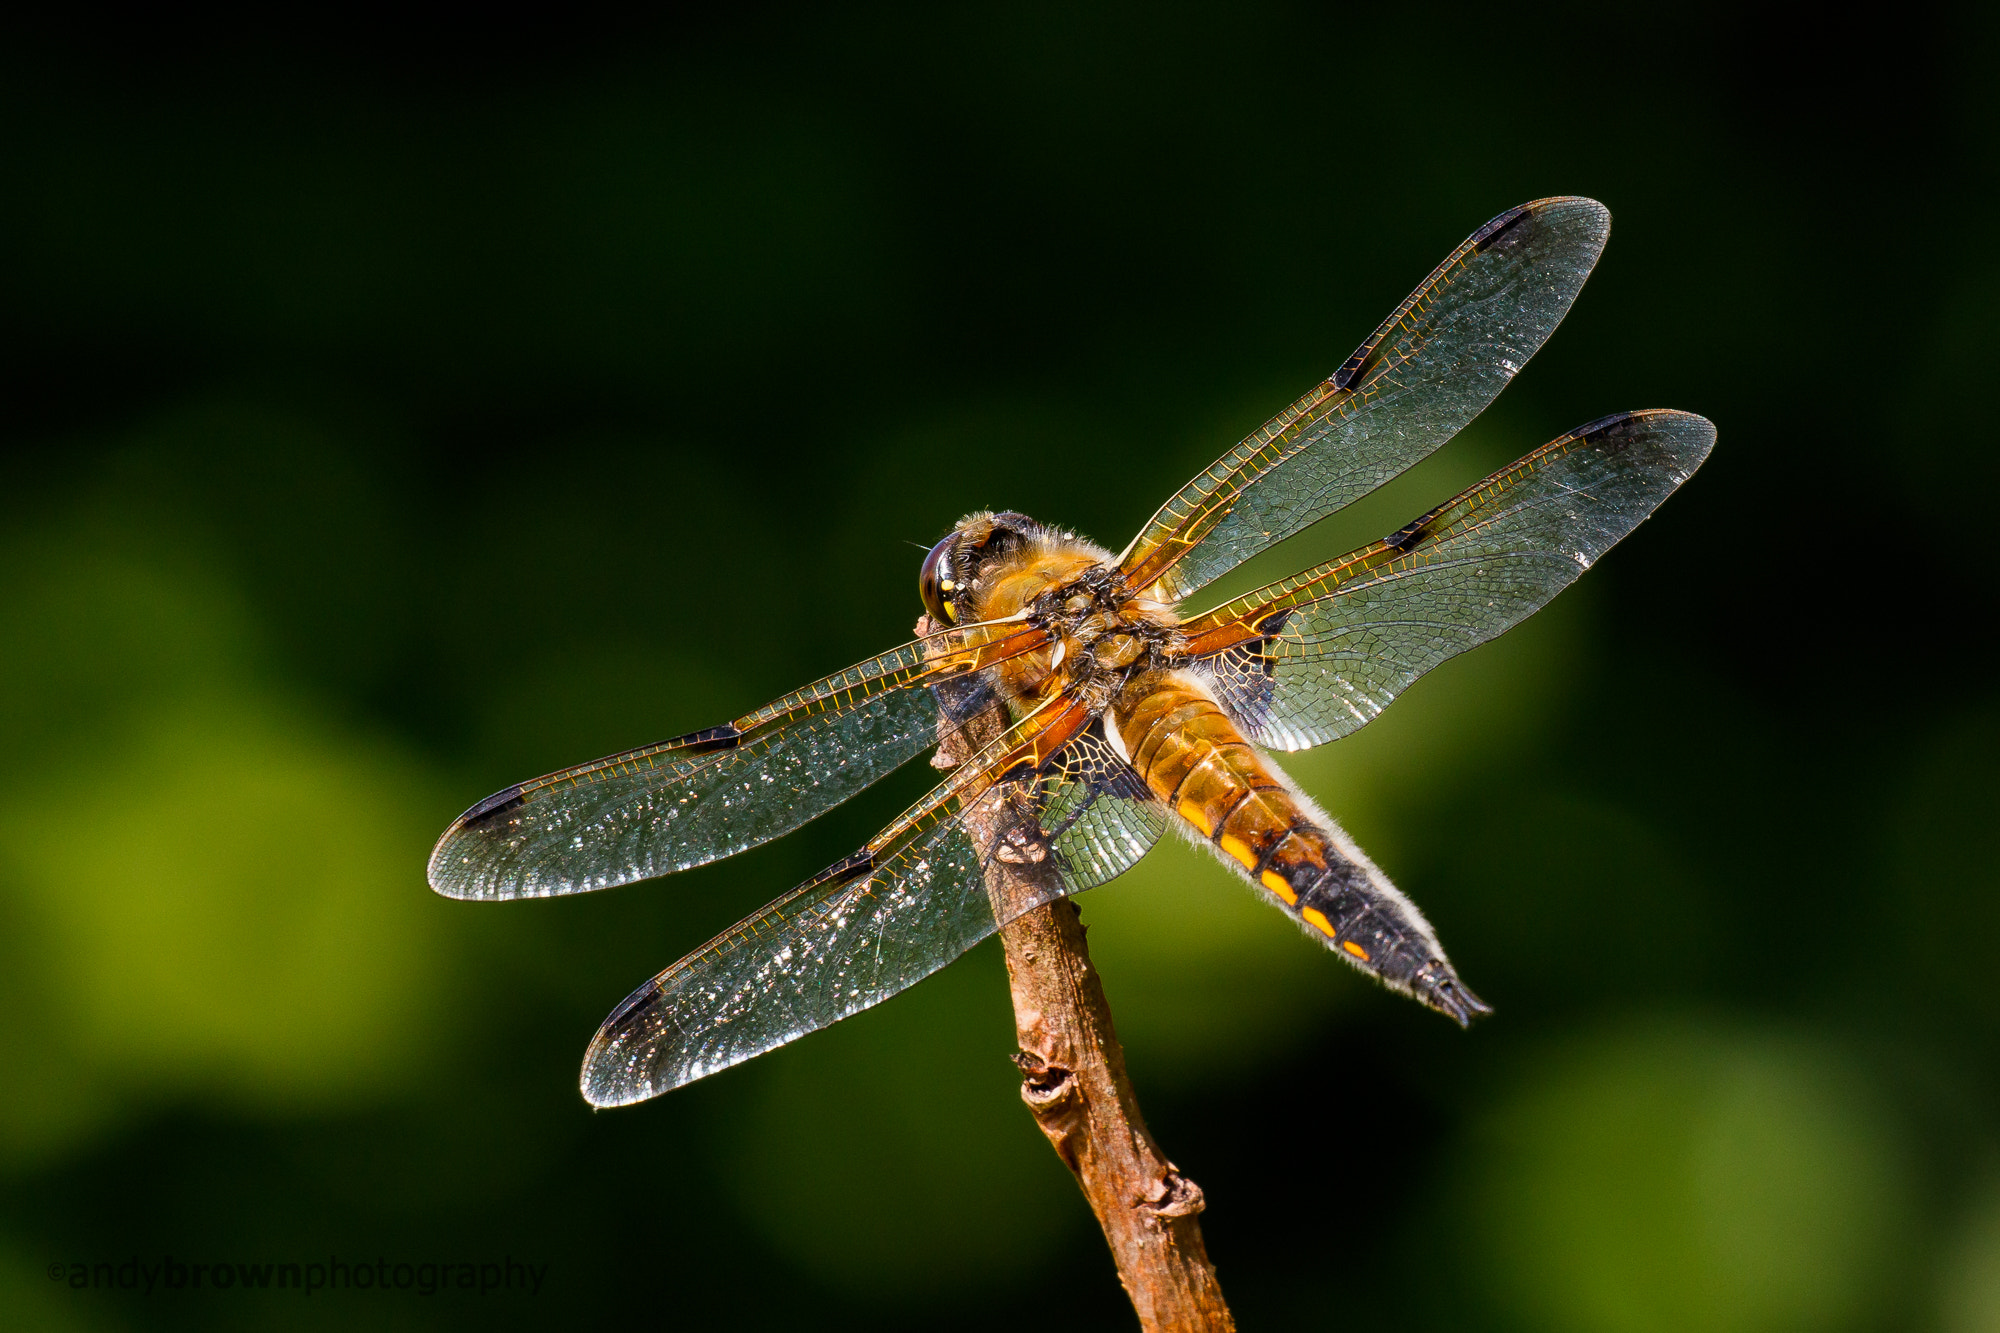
<point>396,412</point>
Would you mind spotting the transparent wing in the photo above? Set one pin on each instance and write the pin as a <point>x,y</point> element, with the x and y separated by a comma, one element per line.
<point>713,793</point>
<point>914,899</point>
<point>1432,366</point>
<point>1322,653</point>
<point>1095,812</point>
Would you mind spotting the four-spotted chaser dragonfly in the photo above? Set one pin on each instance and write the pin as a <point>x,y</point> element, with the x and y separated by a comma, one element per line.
<point>1123,714</point>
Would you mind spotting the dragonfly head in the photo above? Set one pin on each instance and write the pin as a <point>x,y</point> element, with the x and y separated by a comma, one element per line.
<point>953,565</point>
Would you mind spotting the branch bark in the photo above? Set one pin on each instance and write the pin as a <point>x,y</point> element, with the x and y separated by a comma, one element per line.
<point>1074,1081</point>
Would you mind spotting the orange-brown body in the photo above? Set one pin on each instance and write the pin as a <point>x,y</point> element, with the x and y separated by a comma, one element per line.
<point>1113,656</point>
<point>1194,760</point>
<point>1098,640</point>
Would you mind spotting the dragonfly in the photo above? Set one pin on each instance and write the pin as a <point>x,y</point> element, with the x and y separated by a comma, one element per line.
<point>1111,710</point>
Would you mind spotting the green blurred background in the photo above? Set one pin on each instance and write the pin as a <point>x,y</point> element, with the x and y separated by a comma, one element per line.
<point>395,410</point>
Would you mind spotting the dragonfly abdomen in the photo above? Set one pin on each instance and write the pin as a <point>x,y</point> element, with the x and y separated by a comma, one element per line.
<point>1193,758</point>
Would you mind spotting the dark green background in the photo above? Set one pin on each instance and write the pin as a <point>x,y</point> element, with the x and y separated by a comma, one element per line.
<point>395,410</point>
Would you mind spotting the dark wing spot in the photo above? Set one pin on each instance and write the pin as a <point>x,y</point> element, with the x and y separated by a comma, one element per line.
<point>1125,783</point>
<point>1113,775</point>
<point>1407,536</point>
<point>1024,771</point>
<point>844,871</point>
<point>631,1002</point>
<point>1259,654</point>
<point>1613,432</point>
<point>1358,365</point>
<point>490,809</point>
<point>724,737</point>
<point>1499,230</point>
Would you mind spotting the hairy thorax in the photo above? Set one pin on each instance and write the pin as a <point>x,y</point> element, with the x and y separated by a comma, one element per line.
<point>1101,636</point>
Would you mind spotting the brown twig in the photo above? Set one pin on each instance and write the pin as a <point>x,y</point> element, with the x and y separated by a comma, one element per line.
<point>1074,1080</point>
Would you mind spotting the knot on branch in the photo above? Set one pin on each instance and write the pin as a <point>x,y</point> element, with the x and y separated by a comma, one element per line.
<point>1176,1196</point>
<point>1044,1086</point>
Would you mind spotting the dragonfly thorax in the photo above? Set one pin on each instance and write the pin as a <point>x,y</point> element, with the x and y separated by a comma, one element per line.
<point>1006,565</point>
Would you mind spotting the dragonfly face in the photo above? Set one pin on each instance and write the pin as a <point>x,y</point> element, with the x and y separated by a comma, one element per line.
<point>1126,712</point>
<point>954,564</point>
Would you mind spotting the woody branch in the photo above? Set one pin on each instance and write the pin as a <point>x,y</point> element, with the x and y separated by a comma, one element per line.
<point>1073,1074</point>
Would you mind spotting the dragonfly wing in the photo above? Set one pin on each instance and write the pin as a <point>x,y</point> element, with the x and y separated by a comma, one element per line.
<point>1320,654</point>
<point>1432,366</point>
<point>867,927</point>
<point>1097,813</point>
<point>714,793</point>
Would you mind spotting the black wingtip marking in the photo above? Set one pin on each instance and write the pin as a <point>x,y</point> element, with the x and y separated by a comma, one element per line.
<point>490,809</point>
<point>624,1010</point>
<point>1495,231</point>
<point>1616,429</point>
<point>714,739</point>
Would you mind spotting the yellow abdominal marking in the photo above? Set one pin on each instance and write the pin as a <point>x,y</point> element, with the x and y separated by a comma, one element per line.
<point>1355,949</point>
<point>1239,850</point>
<point>1196,816</point>
<point>1276,884</point>
<point>1318,919</point>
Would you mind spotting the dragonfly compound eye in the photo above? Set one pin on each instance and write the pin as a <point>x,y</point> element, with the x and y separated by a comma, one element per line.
<point>935,581</point>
